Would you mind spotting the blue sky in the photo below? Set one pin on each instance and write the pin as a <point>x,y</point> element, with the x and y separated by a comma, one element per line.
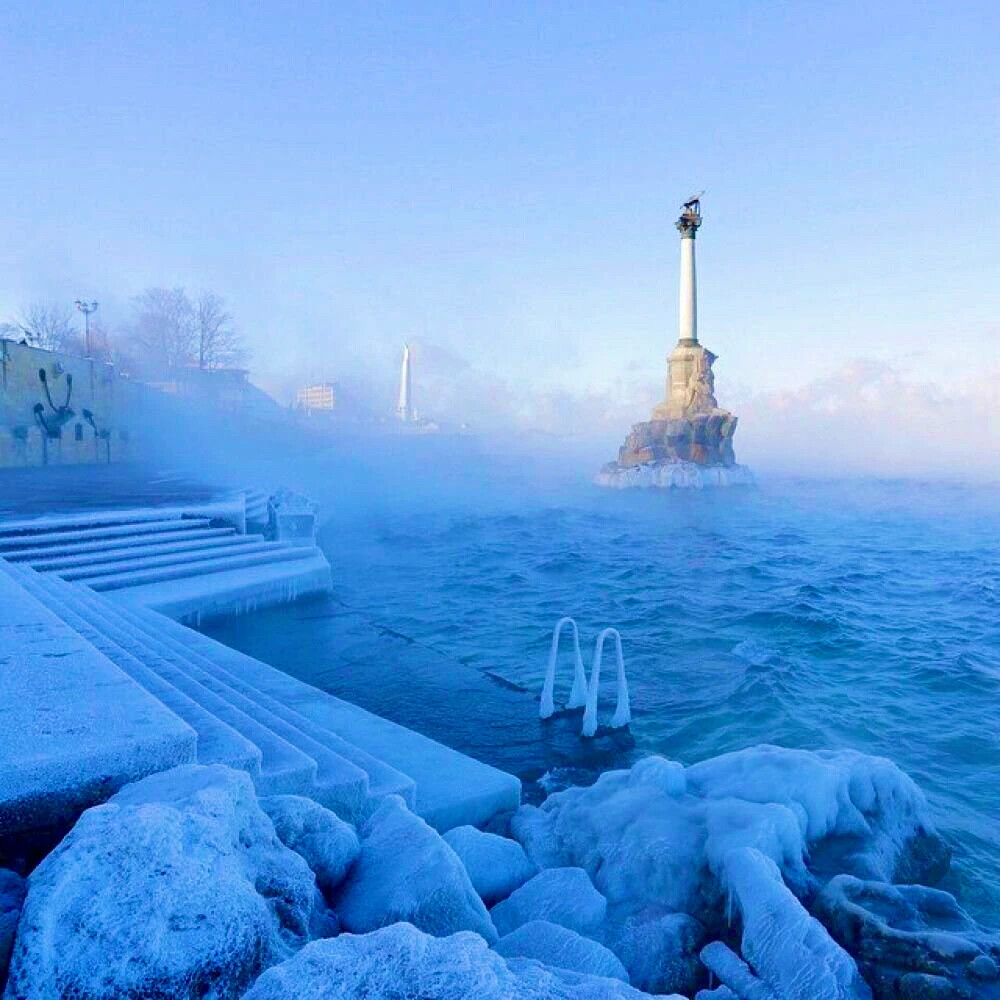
<point>499,181</point>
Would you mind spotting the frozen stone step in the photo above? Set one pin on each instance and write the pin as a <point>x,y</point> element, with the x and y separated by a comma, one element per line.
<point>275,553</point>
<point>383,779</point>
<point>73,727</point>
<point>231,592</point>
<point>218,743</point>
<point>90,553</point>
<point>452,788</point>
<point>284,768</point>
<point>338,784</point>
<point>14,541</point>
<point>140,558</point>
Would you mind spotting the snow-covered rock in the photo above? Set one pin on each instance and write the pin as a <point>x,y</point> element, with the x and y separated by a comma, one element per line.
<point>496,865</point>
<point>562,896</point>
<point>786,953</point>
<point>401,963</point>
<point>552,944</point>
<point>901,931</point>
<point>660,953</point>
<point>658,834</point>
<point>12,890</point>
<point>329,845</point>
<point>406,872</point>
<point>177,886</point>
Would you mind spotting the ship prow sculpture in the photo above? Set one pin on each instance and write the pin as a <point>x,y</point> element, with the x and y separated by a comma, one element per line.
<point>689,439</point>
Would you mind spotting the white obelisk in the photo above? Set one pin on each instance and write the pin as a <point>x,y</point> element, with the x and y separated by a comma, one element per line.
<point>405,408</point>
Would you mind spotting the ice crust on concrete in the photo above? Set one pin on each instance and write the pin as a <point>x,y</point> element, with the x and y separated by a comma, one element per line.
<point>562,896</point>
<point>496,865</point>
<point>558,946</point>
<point>406,872</point>
<point>658,835</point>
<point>177,886</point>
<point>791,955</point>
<point>329,845</point>
<point>401,963</point>
<point>676,475</point>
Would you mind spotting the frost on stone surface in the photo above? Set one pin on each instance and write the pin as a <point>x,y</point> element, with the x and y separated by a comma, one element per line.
<point>562,896</point>
<point>406,872</point>
<point>659,952</point>
<point>900,931</point>
<point>496,865</point>
<point>12,890</point>
<point>789,953</point>
<point>177,886</point>
<point>402,963</point>
<point>658,834</point>
<point>558,946</point>
<point>329,845</point>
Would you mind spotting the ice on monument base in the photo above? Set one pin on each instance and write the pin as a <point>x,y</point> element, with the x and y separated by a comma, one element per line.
<point>562,896</point>
<point>177,886</point>
<point>406,872</point>
<point>496,865</point>
<point>329,845</point>
<point>402,963</point>
<point>786,953</point>
<point>552,944</point>
<point>658,834</point>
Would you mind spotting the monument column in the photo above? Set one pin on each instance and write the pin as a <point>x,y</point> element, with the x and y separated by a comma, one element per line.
<point>687,226</point>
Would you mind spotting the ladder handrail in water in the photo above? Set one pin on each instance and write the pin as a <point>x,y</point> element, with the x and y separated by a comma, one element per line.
<point>578,696</point>
<point>623,713</point>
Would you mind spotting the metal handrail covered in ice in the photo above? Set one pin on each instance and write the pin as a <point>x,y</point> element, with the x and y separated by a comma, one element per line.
<point>584,694</point>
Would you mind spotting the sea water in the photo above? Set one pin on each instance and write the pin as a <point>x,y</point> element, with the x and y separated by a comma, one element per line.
<point>805,614</point>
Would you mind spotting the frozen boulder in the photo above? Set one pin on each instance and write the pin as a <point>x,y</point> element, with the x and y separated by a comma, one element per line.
<point>329,845</point>
<point>909,933</point>
<point>860,814</point>
<point>561,947</point>
<point>406,872</point>
<point>496,865</point>
<point>12,890</point>
<point>402,963</point>
<point>177,886</point>
<point>658,835</point>
<point>562,896</point>
<point>786,953</point>
<point>719,993</point>
<point>660,953</point>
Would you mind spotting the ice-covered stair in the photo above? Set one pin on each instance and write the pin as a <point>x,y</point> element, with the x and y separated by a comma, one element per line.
<point>289,736</point>
<point>187,562</point>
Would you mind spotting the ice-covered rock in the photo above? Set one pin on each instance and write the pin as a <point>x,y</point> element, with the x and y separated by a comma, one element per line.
<point>660,953</point>
<point>177,886</point>
<point>562,896</point>
<point>910,932</point>
<point>496,865</point>
<point>786,953</point>
<point>719,993</point>
<point>329,845</point>
<point>555,945</point>
<point>401,963</point>
<point>406,872</point>
<point>12,890</point>
<point>658,835</point>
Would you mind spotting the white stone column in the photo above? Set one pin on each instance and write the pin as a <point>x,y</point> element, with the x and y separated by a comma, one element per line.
<point>689,291</point>
<point>687,226</point>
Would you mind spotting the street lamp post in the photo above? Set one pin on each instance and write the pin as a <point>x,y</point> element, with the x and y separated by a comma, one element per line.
<point>86,308</point>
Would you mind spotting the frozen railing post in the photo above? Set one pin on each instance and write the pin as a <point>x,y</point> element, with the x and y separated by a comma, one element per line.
<point>623,713</point>
<point>578,695</point>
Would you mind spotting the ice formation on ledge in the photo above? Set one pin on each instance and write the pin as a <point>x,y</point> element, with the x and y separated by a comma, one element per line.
<point>679,475</point>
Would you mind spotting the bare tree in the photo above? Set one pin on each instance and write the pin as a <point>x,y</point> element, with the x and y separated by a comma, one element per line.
<point>46,325</point>
<point>164,331</point>
<point>220,344</point>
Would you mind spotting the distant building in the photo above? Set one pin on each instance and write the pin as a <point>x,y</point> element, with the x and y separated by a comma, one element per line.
<point>228,390</point>
<point>318,397</point>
